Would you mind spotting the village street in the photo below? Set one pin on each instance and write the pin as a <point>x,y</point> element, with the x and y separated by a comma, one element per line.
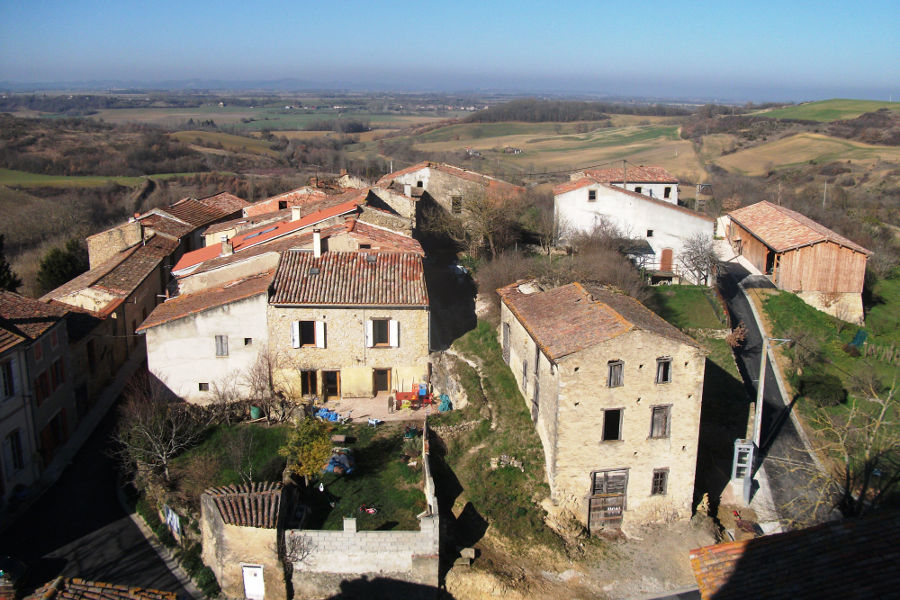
<point>785,460</point>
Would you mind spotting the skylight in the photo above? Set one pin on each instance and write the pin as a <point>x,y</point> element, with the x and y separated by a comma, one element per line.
<point>253,235</point>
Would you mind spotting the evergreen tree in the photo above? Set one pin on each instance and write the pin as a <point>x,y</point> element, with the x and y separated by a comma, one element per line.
<point>8,279</point>
<point>60,265</point>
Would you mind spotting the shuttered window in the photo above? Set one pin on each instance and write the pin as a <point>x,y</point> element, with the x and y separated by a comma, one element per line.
<point>308,334</point>
<point>659,421</point>
<point>616,376</point>
<point>663,370</point>
<point>221,345</point>
<point>382,333</point>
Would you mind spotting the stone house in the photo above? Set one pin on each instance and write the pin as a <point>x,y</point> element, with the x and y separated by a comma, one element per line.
<point>39,372</point>
<point>614,392</point>
<point>654,182</point>
<point>586,203</point>
<point>825,269</point>
<point>446,186</point>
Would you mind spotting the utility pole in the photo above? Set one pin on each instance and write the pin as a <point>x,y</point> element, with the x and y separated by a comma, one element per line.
<point>824,194</point>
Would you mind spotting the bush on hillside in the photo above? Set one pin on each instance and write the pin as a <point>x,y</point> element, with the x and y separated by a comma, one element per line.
<point>825,390</point>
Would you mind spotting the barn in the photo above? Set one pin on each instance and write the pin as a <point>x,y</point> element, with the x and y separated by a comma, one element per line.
<point>801,256</point>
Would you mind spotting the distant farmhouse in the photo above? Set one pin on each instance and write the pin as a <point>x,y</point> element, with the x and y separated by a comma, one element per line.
<point>799,255</point>
<point>614,392</point>
<point>644,210</point>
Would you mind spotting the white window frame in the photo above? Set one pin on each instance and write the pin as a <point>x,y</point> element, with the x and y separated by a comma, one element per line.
<point>393,333</point>
<point>318,334</point>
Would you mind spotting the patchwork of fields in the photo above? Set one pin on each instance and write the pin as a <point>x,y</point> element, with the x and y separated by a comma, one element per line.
<point>829,110</point>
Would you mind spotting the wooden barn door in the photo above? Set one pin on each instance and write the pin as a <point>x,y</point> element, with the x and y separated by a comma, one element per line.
<point>665,261</point>
<point>607,502</point>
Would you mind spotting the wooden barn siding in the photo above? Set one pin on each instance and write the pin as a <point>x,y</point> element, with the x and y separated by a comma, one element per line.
<point>751,248</point>
<point>822,267</point>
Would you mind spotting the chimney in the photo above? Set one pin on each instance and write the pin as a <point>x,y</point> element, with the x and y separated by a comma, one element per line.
<point>227,248</point>
<point>317,243</point>
<point>295,213</point>
<point>407,189</point>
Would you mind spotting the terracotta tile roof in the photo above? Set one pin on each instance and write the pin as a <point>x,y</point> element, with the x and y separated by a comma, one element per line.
<point>27,317</point>
<point>472,176</point>
<point>65,588</point>
<point>575,184</point>
<point>296,197</point>
<point>128,275</point>
<point>202,211</point>
<point>570,318</point>
<point>244,223</point>
<point>263,234</point>
<point>587,181</point>
<point>249,505</point>
<point>386,179</point>
<point>9,338</point>
<point>856,558</point>
<point>383,239</point>
<point>783,229</point>
<point>634,174</point>
<point>350,278</point>
<point>191,304</point>
<point>158,220</point>
<point>86,279</point>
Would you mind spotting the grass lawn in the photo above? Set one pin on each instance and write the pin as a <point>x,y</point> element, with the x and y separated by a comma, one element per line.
<point>829,110</point>
<point>382,478</point>
<point>688,306</point>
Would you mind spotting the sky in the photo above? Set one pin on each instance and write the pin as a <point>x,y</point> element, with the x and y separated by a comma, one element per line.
<point>713,50</point>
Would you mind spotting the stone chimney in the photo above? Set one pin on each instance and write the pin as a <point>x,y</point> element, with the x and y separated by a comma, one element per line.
<point>227,247</point>
<point>295,213</point>
<point>317,243</point>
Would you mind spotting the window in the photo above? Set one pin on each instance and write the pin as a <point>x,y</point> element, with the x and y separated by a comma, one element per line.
<point>506,342</point>
<point>663,370</point>
<point>248,341</point>
<point>57,374</point>
<point>221,345</point>
<point>382,333</point>
<point>203,386</point>
<point>282,204</point>
<point>308,383</point>
<point>308,334</point>
<point>667,192</point>
<point>419,184</point>
<point>659,421</point>
<point>38,351</point>
<point>13,458</point>
<point>8,378</point>
<point>638,189</point>
<point>54,339</point>
<point>616,373</point>
<point>41,388</point>
<point>660,479</point>
<point>456,204</point>
<point>614,481</point>
<point>592,195</point>
<point>612,424</point>
<point>649,233</point>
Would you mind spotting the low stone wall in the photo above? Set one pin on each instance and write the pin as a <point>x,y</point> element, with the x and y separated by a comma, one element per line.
<point>323,560</point>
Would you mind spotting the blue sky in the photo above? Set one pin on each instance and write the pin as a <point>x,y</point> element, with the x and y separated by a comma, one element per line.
<point>762,50</point>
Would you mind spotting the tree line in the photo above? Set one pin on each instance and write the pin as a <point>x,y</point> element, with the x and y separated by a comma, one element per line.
<point>533,110</point>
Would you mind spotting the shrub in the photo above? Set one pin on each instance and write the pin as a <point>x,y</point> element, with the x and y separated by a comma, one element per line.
<point>825,390</point>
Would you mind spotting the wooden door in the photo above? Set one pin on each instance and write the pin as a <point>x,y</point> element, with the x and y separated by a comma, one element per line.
<point>332,384</point>
<point>607,502</point>
<point>665,261</point>
<point>382,380</point>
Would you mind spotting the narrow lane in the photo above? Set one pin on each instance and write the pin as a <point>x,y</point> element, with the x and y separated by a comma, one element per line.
<point>787,464</point>
<point>79,529</point>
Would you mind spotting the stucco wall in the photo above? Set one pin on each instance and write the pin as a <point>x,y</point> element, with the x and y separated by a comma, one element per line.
<point>182,353</point>
<point>254,265</point>
<point>633,216</point>
<point>443,186</point>
<point>654,190</point>
<point>583,396</point>
<point>15,414</point>
<point>345,346</point>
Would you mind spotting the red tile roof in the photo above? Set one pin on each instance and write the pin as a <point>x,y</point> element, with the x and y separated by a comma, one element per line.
<point>856,558</point>
<point>27,317</point>
<point>575,184</point>
<point>202,211</point>
<point>296,197</point>
<point>158,220</point>
<point>783,229</point>
<point>383,239</point>
<point>9,338</point>
<point>350,278</point>
<point>263,234</point>
<point>249,505</point>
<point>570,318</point>
<point>191,304</point>
<point>244,223</point>
<point>634,175</point>
<point>65,588</point>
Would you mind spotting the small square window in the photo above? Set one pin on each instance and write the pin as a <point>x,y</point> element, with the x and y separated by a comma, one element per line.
<point>282,205</point>
<point>456,204</point>
<point>203,386</point>
<point>660,421</point>
<point>638,189</point>
<point>592,195</point>
<point>616,373</point>
<point>667,192</point>
<point>420,184</point>
<point>221,345</point>
<point>663,370</point>
<point>248,341</point>
<point>660,482</point>
<point>649,233</point>
<point>612,424</point>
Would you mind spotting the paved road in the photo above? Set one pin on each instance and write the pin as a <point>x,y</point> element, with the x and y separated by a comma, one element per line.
<point>78,528</point>
<point>785,460</point>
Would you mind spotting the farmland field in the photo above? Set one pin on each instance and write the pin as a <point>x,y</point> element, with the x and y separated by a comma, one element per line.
<point>21,178</point>
<point>233,143</point>
<point>802,148</point>
<point>829,110</point>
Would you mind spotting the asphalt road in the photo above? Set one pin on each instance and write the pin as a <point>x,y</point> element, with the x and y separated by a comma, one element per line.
<point>79,529</point>
<point>787,464</point>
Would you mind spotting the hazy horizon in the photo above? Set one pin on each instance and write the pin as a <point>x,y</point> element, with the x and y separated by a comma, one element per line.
<point>768,52</point>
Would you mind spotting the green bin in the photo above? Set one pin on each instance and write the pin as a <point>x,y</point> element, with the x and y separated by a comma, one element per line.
<point>255,412</point>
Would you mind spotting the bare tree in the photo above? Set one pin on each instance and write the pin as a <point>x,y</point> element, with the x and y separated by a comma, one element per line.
<point>698,257</point>
<point>153,428</point>
<point>227,399</point>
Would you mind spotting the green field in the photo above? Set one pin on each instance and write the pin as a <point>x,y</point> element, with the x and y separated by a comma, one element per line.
<point>688,306</point>
<point>829,110</point>
<point>23,179</point>
<point>228,141</point>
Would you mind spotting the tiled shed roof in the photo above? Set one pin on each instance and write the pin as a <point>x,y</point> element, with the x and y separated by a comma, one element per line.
<point>350,278</point>
<point>634,175</point>
<point>65,588</point>
<point>570,318</point>
<point>202,211</point>
<point>27,317</point>
<point>783,229</point>
<point>158,220</point>
<point>249,505</point>
<point>190,304</point>
<point>855,558</point>
<point>9,338</point>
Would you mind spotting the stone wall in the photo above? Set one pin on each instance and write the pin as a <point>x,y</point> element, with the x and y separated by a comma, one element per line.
<point>102,246</point>
<point>446,380</point>
<point>845,306</point>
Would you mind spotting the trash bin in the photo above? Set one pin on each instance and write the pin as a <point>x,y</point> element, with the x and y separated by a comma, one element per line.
<point>255,412</point>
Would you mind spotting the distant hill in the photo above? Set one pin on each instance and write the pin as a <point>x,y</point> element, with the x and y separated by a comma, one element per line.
<point>829,110</point>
